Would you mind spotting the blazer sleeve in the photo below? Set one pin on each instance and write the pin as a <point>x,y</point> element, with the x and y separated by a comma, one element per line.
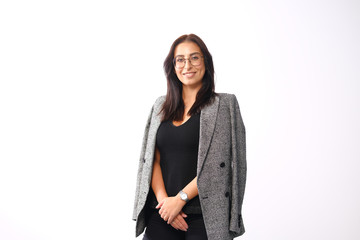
<point>141,162</point>
<point>239,168</point>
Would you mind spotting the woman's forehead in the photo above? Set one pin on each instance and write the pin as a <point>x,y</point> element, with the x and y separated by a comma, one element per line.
<point>187,48</point>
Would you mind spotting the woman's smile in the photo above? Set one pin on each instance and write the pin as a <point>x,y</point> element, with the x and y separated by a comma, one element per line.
<point>189,74</point>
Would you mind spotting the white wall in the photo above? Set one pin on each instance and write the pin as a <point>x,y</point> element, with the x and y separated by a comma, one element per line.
<point>78,78</point>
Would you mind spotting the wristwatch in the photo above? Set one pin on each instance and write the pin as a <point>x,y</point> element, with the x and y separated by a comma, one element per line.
<point>183,196</point>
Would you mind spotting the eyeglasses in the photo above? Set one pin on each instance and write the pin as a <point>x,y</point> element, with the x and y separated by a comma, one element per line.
<point>194,59</point>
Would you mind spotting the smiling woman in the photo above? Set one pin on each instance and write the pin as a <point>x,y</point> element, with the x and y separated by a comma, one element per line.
<point>189,69</point>
<point>192,168</point>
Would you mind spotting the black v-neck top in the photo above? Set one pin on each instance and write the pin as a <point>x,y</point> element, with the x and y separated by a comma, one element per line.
<point>178,146</point>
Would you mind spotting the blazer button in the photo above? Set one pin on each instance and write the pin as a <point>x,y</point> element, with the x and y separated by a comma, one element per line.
<point>227,194</point>
<point>222,164</point>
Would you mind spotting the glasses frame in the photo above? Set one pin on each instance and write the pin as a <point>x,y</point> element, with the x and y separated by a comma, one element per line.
<point>187,59</point>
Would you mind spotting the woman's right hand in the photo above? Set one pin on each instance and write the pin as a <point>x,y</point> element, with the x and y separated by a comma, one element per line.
<point>179,222</point>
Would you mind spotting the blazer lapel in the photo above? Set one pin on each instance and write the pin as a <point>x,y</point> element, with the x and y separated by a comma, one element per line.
<point>207,125</point>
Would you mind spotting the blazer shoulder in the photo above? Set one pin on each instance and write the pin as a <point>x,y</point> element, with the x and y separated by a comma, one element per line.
<point>228,98</point>
<point>159,101</point>
<point>156,108</point>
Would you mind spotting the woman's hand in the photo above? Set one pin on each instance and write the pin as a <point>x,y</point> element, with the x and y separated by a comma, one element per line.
<point>170,207</point>
<point>179,222</point>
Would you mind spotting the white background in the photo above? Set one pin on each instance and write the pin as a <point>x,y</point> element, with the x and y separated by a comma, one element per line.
<point>78,79</point>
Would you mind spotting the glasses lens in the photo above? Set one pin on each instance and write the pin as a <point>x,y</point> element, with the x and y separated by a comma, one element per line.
<point>179,62</point>
<point>195,59</point>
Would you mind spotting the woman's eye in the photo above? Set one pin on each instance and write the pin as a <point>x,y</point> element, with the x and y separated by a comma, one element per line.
<point>195,58</point>
<point>180,60</point>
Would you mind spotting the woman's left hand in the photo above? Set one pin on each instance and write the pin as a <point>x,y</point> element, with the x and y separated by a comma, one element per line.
<point>170,207</point>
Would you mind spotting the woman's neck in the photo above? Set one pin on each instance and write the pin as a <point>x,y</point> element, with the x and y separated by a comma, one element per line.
<point>189,96</point>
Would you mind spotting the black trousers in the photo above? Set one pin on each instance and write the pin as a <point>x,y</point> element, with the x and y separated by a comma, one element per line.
<point>158,229</point>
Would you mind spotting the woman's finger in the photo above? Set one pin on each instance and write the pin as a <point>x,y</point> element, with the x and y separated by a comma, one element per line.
<point>174,226</point>
<point>181,222</point>
<point>179,226</point>
<point>159,204</point>
<point>162,212</point>
<point>170,219</point>
<point>184,223</point>
<point>165,217</point>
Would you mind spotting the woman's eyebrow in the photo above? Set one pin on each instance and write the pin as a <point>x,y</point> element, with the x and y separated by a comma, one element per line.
<point>190,54</point>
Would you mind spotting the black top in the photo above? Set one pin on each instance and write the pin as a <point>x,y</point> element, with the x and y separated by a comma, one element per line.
<point>178,146</point>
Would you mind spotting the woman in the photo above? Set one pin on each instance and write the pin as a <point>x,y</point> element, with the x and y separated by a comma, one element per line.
<point>192,168</point>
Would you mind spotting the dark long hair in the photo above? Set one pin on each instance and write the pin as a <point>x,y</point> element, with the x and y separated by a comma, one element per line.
<point>173,107</point>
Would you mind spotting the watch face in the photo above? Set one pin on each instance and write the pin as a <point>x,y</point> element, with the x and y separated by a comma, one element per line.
<point>183,196</point>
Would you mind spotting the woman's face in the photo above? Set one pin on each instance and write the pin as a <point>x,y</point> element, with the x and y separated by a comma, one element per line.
<point>190,75</point>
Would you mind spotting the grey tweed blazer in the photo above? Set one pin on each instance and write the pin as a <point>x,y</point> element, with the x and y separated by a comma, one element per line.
<point>221,168</point>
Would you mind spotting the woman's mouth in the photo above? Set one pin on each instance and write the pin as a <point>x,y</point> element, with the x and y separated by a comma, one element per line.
<point>189,74</point>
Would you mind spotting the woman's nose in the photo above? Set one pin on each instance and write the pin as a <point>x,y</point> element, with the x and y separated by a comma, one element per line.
<point>187,64</point>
